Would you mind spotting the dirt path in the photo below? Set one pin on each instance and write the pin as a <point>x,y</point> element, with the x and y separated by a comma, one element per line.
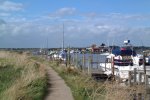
<point>57,90</point>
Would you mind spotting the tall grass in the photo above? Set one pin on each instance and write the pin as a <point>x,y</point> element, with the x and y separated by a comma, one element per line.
<point>85,88</point>
<point>21,78</point>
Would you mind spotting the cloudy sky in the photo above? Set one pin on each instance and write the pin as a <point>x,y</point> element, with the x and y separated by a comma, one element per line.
<point>33,23</point>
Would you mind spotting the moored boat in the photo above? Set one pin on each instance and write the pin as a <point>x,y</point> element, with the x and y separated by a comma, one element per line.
<point>122,60</point>
<point>63,55</point>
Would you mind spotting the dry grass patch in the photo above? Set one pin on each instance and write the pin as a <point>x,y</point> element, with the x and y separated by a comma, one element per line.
<point>30,84</point>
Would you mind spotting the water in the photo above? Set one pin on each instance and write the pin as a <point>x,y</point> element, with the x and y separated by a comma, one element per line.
<point>77,59</point>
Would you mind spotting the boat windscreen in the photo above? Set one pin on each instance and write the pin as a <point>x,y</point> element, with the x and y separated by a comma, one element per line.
<point>125,52</point>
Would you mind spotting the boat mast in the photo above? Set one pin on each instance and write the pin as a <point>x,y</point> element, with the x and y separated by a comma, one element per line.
<point>47,46</point>
<point>63,38</point>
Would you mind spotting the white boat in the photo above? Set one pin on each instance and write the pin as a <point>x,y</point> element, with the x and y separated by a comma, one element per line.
<point>72,51</point>
<point>105,54</point>
<point>122,60</point>
<point>55,56</point>
<point>63,55</point>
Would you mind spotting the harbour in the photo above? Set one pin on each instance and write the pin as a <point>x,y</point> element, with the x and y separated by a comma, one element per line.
<point>74,50</point>
<point>106,63</point>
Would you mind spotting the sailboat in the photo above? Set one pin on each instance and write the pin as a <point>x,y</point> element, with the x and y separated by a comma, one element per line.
<point>63,52</point>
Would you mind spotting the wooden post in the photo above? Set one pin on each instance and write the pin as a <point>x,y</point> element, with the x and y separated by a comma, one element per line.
<point>146,80</point>
<point>134,76</point>
<point>91,60</point>
<point>83,61</point>
<point>144,62</point>
<point>129,82</point>
<point>112,67</point>
<point>97,61</point>
<point>140,78</point>
<point>147,87</point>
<point>73,59</point>
<point>76,60</point>
<point>68,57</point>
<point>105,65</point>
<point>90,64</point>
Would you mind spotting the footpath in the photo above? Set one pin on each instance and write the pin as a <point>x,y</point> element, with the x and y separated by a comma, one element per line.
<point>57,90</point>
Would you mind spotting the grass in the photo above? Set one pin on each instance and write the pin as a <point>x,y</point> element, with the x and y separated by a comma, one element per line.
<point>37,88</point>
<point>85,88</point>
<point>7,76</point>
<point>24,78</point>
<point>82,86</point>
<point>21,78</point>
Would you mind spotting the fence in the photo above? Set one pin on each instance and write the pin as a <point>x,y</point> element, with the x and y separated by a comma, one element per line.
<point>86,62</point>
<point>137,78</point>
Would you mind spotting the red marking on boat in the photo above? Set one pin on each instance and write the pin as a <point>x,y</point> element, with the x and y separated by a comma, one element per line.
<point>123,48</point>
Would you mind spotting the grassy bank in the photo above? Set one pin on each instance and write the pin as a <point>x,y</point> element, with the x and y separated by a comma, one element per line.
<point>85,88</point>
<point>21,78</point>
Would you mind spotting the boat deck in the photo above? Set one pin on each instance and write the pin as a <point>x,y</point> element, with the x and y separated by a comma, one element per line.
<point>97,73</point>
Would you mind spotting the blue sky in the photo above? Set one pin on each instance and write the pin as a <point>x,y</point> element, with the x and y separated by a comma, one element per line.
<point>30,23</point>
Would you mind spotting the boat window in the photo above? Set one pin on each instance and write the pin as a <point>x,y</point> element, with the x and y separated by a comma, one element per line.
<point>123,52</point>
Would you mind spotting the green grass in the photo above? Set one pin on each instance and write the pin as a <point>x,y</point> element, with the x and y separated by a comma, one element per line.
<point>82,86</point>
<point>36,89</point>
<point>8,75</point>
<point>24,80</point>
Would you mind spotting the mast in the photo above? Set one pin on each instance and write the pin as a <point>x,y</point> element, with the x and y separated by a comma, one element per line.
<point>63,38</point>
<point>47,46</point>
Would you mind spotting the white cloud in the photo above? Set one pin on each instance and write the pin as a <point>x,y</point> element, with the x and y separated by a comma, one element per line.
<point>63,12</point>
<point>66,11</point>
<point>82,33</point>
<point>117,16</point>
<point>78,30</point>
<point>10,6</point>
